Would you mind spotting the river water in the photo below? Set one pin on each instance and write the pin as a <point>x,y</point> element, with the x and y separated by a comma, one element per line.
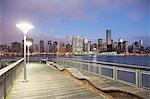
<point>132,60</point>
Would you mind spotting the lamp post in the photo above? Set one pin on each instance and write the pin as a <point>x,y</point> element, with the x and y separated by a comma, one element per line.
<point>24,27</point>
<point>29,43</point>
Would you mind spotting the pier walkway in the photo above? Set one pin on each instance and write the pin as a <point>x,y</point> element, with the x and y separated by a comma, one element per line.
<point>45,82</point>
<point>101,84</point>
<point>58,81</point>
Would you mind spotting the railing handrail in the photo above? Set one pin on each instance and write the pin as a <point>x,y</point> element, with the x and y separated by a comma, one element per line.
<point>10,58</point>
<point>113,64</point>
<point>7,68</point>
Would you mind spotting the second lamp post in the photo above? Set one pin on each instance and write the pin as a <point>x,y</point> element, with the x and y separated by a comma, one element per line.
<point>28,43</point>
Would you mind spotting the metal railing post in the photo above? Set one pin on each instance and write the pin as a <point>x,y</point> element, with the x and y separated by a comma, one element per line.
<point>100,70</point>
<point>115,73</point>
<point>88,67</point>
<point>138,78</point>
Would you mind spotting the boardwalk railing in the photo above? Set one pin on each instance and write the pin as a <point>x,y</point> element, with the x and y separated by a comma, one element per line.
<point>32,59</point>
<point>14,59</point>
<point>133,75</point>
<point>7,76</point>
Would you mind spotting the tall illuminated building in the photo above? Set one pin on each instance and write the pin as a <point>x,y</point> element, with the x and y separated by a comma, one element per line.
<point>89,46</point>
<point>108,37</point>
<point>42,49</point>
<point>140,43</point>
<point>61,48</point>
<point>35,48</point>
<point>125,47</point>
<point>77,44</point>
<point>16,47</point>
<point>120,45</point>
<point>54,48</point>
<point>68,48</point>
<point>100,45</point>
<point>108,40</point>
<point>50,46</point>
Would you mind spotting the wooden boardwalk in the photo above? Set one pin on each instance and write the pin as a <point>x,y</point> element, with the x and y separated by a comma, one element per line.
<point>47,83</point>
<point>115,89</point>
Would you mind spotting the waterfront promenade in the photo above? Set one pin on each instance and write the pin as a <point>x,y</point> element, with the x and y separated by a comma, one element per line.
<point>48,83</point>
<point>55,81</point>
<point>101,84</point>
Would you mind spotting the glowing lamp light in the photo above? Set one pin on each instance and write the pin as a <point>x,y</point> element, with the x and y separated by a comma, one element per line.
<point>24,27</point>
<point>28,43</point>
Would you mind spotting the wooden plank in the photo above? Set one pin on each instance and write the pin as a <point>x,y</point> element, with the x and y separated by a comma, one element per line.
<point>47,83</point>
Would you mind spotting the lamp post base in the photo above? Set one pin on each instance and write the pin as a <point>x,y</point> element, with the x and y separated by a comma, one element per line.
<point>25,81</point>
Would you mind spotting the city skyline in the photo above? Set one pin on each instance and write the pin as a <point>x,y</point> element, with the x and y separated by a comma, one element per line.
<point>54,20</point>
<point>79,45</point>
<point>69,40</point>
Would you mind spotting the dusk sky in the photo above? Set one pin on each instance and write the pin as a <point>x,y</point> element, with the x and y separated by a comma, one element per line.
<point>55,19</point>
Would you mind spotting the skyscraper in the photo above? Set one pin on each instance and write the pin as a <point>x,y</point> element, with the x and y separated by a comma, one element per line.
<point>42,46</point>
<point>50,46</point>
<point>100,45</point>
<point>68,48</point>
<point>114,46</point>
<point>125,47</point>
<point>35,48</point>
<point>55,49</point>
<point>77,44</point>
<point>104,47</point>
<point>120,45</point>
<point>16,47</point>
<point>85,45</point>
<point>89,46</point>
<point>135,47</point>
<point>62,48</point>
<point>3,48</point>
<point>49,42</point>
<point>108,37</point>
<point>108,40</point>
<point>94,47</point>
<point>140,43</point>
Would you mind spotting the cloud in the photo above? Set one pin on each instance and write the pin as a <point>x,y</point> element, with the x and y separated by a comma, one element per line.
<point>74,9</point>
<point>46,36</point>
<point>44,12</point>
<point>141,9</point>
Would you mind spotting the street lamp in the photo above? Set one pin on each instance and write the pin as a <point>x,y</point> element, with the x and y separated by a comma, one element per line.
<point>25,27</point>
<point>29,43</point>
